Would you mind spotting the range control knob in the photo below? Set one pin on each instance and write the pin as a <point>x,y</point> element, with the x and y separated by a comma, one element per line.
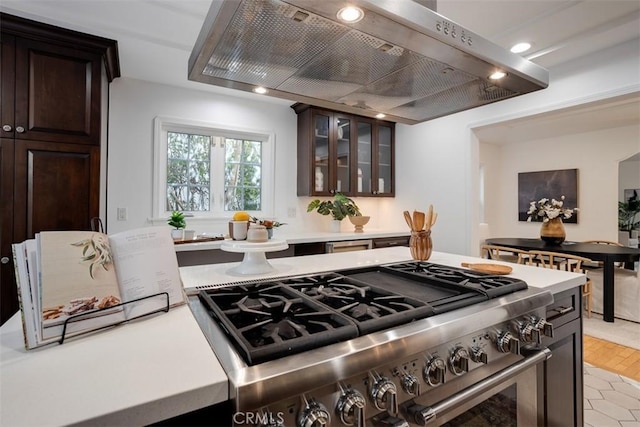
<point>410,384</point>
<point>384,395</point>
<point>459,361</point>
<point>507,343</point>
<point>528,332</point>
<point>478,355</point>
<point>544,326</point>
<point>434,371</point>
<point>350,408</point>
<point>313,414</point>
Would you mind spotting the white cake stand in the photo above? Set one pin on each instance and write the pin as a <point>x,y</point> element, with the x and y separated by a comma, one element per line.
<point>254,261</point>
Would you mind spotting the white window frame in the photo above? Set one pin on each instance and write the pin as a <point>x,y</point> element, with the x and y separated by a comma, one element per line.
<point>163,124</point>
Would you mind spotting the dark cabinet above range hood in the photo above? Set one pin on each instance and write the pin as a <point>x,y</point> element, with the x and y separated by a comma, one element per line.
<point>401,59</point>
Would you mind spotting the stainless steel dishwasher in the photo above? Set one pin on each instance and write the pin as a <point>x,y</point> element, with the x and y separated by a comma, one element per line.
<point>349,246</point>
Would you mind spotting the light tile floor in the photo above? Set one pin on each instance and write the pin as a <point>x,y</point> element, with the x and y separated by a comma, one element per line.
<point>610,400</point>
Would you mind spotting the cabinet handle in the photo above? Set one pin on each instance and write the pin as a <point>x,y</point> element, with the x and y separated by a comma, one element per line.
<point>19,129</point>
<point>563,310</point>
<point>5,260</point>
<point>7,128</point>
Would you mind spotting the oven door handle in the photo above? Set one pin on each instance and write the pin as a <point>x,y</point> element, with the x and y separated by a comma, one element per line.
<point>428,414</point>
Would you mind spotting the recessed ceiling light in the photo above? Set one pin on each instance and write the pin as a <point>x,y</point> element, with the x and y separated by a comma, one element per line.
<point>520,47</point>
<point>380,116</point>
<point>497,75</point>
<point>350,14</point>
<point>260,90</point>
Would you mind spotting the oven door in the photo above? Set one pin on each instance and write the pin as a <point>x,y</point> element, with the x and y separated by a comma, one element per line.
<point>506,398</point>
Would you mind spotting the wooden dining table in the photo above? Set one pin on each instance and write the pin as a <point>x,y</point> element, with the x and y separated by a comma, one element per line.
<point>607,254</point>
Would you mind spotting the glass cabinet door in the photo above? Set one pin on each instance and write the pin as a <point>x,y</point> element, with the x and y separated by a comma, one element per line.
<point>321,153</point>
<point>365,157</point>
<point>343,155</point>
<point>385,160</point>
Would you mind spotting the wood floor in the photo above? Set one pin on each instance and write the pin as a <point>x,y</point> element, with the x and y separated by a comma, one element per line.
<point>612,357</point>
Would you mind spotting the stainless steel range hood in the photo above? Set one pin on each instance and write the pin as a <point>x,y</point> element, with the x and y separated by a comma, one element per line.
<point>402,59</point>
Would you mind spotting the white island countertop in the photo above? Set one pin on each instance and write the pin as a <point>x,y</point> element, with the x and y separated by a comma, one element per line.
<point>160,367</point>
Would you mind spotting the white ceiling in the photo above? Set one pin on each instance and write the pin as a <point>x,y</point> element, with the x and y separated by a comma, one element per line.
<point>155,38</point>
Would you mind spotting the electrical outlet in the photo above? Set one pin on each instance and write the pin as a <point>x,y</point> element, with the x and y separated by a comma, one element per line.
<point>291,212</point>
<point>122,214</point>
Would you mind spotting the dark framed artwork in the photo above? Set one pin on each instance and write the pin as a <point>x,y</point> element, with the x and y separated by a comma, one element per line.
<point>533,186</point>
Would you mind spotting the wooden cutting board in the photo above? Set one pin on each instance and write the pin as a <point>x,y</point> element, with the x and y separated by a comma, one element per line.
<point>488,268</point>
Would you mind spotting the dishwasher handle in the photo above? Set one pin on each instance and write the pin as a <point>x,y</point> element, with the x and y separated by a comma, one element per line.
<point>349,246</point>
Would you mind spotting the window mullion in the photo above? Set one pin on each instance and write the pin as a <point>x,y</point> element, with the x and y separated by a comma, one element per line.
<point>217,175</point>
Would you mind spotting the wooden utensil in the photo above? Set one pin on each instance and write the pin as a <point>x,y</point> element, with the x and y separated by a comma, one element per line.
<point>407,218</point>
<point>418,220</point>
<point>429,218</point>
<point>488,268</point>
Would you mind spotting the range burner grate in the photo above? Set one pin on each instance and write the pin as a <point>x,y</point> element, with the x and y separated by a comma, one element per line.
<point>268,319</point>
<point>490,285</point>
<point>370,307</point>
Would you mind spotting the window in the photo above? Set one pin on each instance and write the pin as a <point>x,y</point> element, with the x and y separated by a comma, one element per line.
<point>210,171</point>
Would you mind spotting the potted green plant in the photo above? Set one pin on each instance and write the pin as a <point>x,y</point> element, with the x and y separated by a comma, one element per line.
<point>177,221</point>
<point>627,212</point>
<point>339,208</point>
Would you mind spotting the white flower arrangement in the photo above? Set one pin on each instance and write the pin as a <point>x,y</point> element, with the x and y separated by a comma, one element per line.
<point>548,210</point>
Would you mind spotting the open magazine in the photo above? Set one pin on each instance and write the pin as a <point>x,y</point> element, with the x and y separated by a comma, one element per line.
<point>92,280</point>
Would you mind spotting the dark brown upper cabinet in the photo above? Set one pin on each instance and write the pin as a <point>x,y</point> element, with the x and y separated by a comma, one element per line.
<point>51,82</point>
<point>339,152</point>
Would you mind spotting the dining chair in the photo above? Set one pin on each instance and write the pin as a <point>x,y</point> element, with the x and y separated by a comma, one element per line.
<point>502,253</point>
<point>626,293</point>
<point>565,262</point>
<point>600,264</point>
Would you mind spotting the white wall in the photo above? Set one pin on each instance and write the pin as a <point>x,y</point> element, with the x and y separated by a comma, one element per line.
<point>135,103</point>
<point>439,159</point>
<point>594,154</point>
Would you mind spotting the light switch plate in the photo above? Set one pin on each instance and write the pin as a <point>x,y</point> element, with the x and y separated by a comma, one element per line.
<point>122,214</point>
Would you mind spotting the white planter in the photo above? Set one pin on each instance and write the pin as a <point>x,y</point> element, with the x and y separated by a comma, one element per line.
<point>335,226</point>
<point>177,234</point>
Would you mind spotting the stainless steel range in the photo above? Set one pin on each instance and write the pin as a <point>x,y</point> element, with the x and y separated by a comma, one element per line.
<point>399,344</point>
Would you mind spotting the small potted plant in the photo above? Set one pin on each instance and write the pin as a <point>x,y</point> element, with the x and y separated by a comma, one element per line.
<point>176,220</point>
<point>268,224</point>
<point>339,208</point>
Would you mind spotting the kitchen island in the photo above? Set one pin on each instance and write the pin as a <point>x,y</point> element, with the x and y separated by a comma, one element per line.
<point>161,367</point>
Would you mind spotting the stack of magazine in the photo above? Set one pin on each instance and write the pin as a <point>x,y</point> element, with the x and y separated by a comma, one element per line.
<point>92,280</point>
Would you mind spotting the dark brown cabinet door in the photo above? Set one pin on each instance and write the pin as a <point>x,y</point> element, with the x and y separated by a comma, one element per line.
<point>57,94</point>
<point>7,85</point>
<point>57,187</point>
<point>8,301</point>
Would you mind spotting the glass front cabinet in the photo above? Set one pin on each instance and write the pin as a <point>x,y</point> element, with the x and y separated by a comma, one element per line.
<point>340,152</point>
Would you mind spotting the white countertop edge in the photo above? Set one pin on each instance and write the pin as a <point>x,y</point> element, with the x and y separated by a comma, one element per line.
<point>306,237</point>
<point>133,374</point>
